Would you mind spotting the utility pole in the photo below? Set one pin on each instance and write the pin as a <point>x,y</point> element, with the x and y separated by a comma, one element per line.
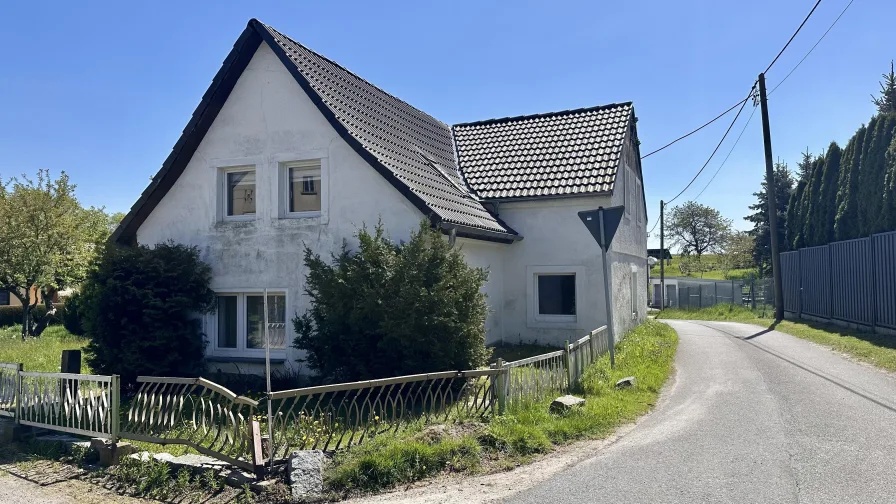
<point>662,262</point>
<point>770,193</point>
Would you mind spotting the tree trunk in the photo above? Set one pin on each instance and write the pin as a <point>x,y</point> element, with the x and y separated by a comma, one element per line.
<point>38,328</point>
<point>26,312</point>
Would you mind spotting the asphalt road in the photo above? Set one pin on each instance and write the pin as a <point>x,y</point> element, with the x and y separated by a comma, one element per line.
<point>754,416</point>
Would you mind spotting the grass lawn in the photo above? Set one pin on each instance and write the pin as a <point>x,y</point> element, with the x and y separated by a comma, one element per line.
<point>40,354</point>
<point>524,431</point>
<point>876,349</point>
<point>513,352</point>
<point>673,271</point>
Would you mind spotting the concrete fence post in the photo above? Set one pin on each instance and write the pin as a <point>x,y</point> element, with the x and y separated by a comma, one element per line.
<point>114,413</point>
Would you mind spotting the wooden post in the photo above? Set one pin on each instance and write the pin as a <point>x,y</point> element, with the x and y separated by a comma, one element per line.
<point>71,363</point>
<point>501,386</point>
<point>771,195</point>
<point>591,346</point>
<point>567,361</point>
<point>258,458</point>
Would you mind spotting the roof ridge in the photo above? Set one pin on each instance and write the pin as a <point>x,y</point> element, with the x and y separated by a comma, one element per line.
<point>353,74</point>
<point>557,113</point>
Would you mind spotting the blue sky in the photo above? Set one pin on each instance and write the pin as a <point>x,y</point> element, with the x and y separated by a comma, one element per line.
<point>102,90</point>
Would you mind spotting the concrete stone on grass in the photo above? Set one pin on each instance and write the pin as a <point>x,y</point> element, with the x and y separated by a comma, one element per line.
<point>305,473</point>
<point>564,404</point>
<point>627,382</point>
<point>111,453</point>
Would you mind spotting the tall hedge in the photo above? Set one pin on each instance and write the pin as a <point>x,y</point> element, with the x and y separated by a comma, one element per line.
<point>139,310</point>
<point>392,309</point>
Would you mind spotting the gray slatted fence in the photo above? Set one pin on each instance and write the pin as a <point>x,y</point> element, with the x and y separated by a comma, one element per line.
<point>850,281</point>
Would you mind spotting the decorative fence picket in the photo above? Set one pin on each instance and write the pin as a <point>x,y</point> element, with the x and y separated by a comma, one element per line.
<point>216,422</point>
<point>193,412</point>
<point>331,417</point>
<point>73,403</point>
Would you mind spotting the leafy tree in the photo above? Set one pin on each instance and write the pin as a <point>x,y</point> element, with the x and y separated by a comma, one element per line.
<point>139,307</point>
<point>846,223</point>
<point>762,249</point>
<point>697,229</point>
<point>47,242</point>
<point>737,252</point>
<point>886,102</point>
<point>393,309</point>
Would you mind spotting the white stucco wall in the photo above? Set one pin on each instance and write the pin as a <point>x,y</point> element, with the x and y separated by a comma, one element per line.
<point>268,119</point>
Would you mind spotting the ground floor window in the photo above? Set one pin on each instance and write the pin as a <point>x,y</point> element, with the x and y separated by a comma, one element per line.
<point>240,322</point>
<point>557,294</point>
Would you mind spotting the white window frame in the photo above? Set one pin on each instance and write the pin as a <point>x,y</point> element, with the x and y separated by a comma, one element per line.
<point>242,350</point>
<point>537,320</point>
<point>283,162</point>
<point>225,196</point>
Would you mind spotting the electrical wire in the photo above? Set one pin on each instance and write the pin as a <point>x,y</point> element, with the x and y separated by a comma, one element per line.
<point>729,154</point>
<point>813,48</point>
<point>717,146</point>
<point>716,118</point>
<point>770,65</point>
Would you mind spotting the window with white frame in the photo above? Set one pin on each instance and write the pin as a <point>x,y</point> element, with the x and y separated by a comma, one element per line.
<point>240,322</point>
<point>239,193</point>
<point>303,191</point>
<point>556,296</point>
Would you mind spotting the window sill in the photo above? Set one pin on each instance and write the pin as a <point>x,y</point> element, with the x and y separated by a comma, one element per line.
<point>280,359</point>
<point>555,323</point>
<point>302,215</point>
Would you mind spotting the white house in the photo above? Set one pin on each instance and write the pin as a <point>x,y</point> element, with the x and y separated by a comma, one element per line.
<point>288,149</point>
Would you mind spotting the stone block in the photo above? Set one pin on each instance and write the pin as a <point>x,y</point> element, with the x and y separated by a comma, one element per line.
<point>305,473</point>
<point>563,404</point>
<point>627,382</point>
<point>111,453</point>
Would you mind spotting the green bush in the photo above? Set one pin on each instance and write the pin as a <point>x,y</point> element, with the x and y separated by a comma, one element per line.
<point>12,315</point>
<point>139,309</point>
<point>393,309</point>
<point>71,316</point>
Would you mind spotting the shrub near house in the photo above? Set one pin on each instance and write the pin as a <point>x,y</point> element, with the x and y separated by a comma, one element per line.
<point>390,310</point>
<point>139,310</point>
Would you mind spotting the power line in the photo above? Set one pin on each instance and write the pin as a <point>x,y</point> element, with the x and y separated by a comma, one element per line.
<point>654,226</point>
<point>729,154</point>
<point>717,146</point>
<point>770,65</point>
<point>716,118</point>
<point>813,48</point>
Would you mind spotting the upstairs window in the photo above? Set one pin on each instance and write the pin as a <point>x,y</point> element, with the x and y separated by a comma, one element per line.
<point>303,187</point>
<point>239,192</point>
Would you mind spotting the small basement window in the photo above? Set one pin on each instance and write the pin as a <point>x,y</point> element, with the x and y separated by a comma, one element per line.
<point>240,323</point>
<point>239,192</point>
<point>556,296</point>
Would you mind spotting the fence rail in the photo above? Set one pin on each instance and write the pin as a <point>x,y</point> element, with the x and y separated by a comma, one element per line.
<point>72,403</point>
<point>194,412</point>
<point>851,281</point>
<point>331,417</point>
<point>553,373</point>
<point>215,421</point>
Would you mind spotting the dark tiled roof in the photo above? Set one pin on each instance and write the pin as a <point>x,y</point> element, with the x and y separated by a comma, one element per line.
<point>562,153</point>
<point>413,146</point>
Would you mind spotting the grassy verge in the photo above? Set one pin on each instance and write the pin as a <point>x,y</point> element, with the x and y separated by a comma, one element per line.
<point>39,354</point>
<point>523,432</point>
<point>876,349</point>
<point>672,270</point>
